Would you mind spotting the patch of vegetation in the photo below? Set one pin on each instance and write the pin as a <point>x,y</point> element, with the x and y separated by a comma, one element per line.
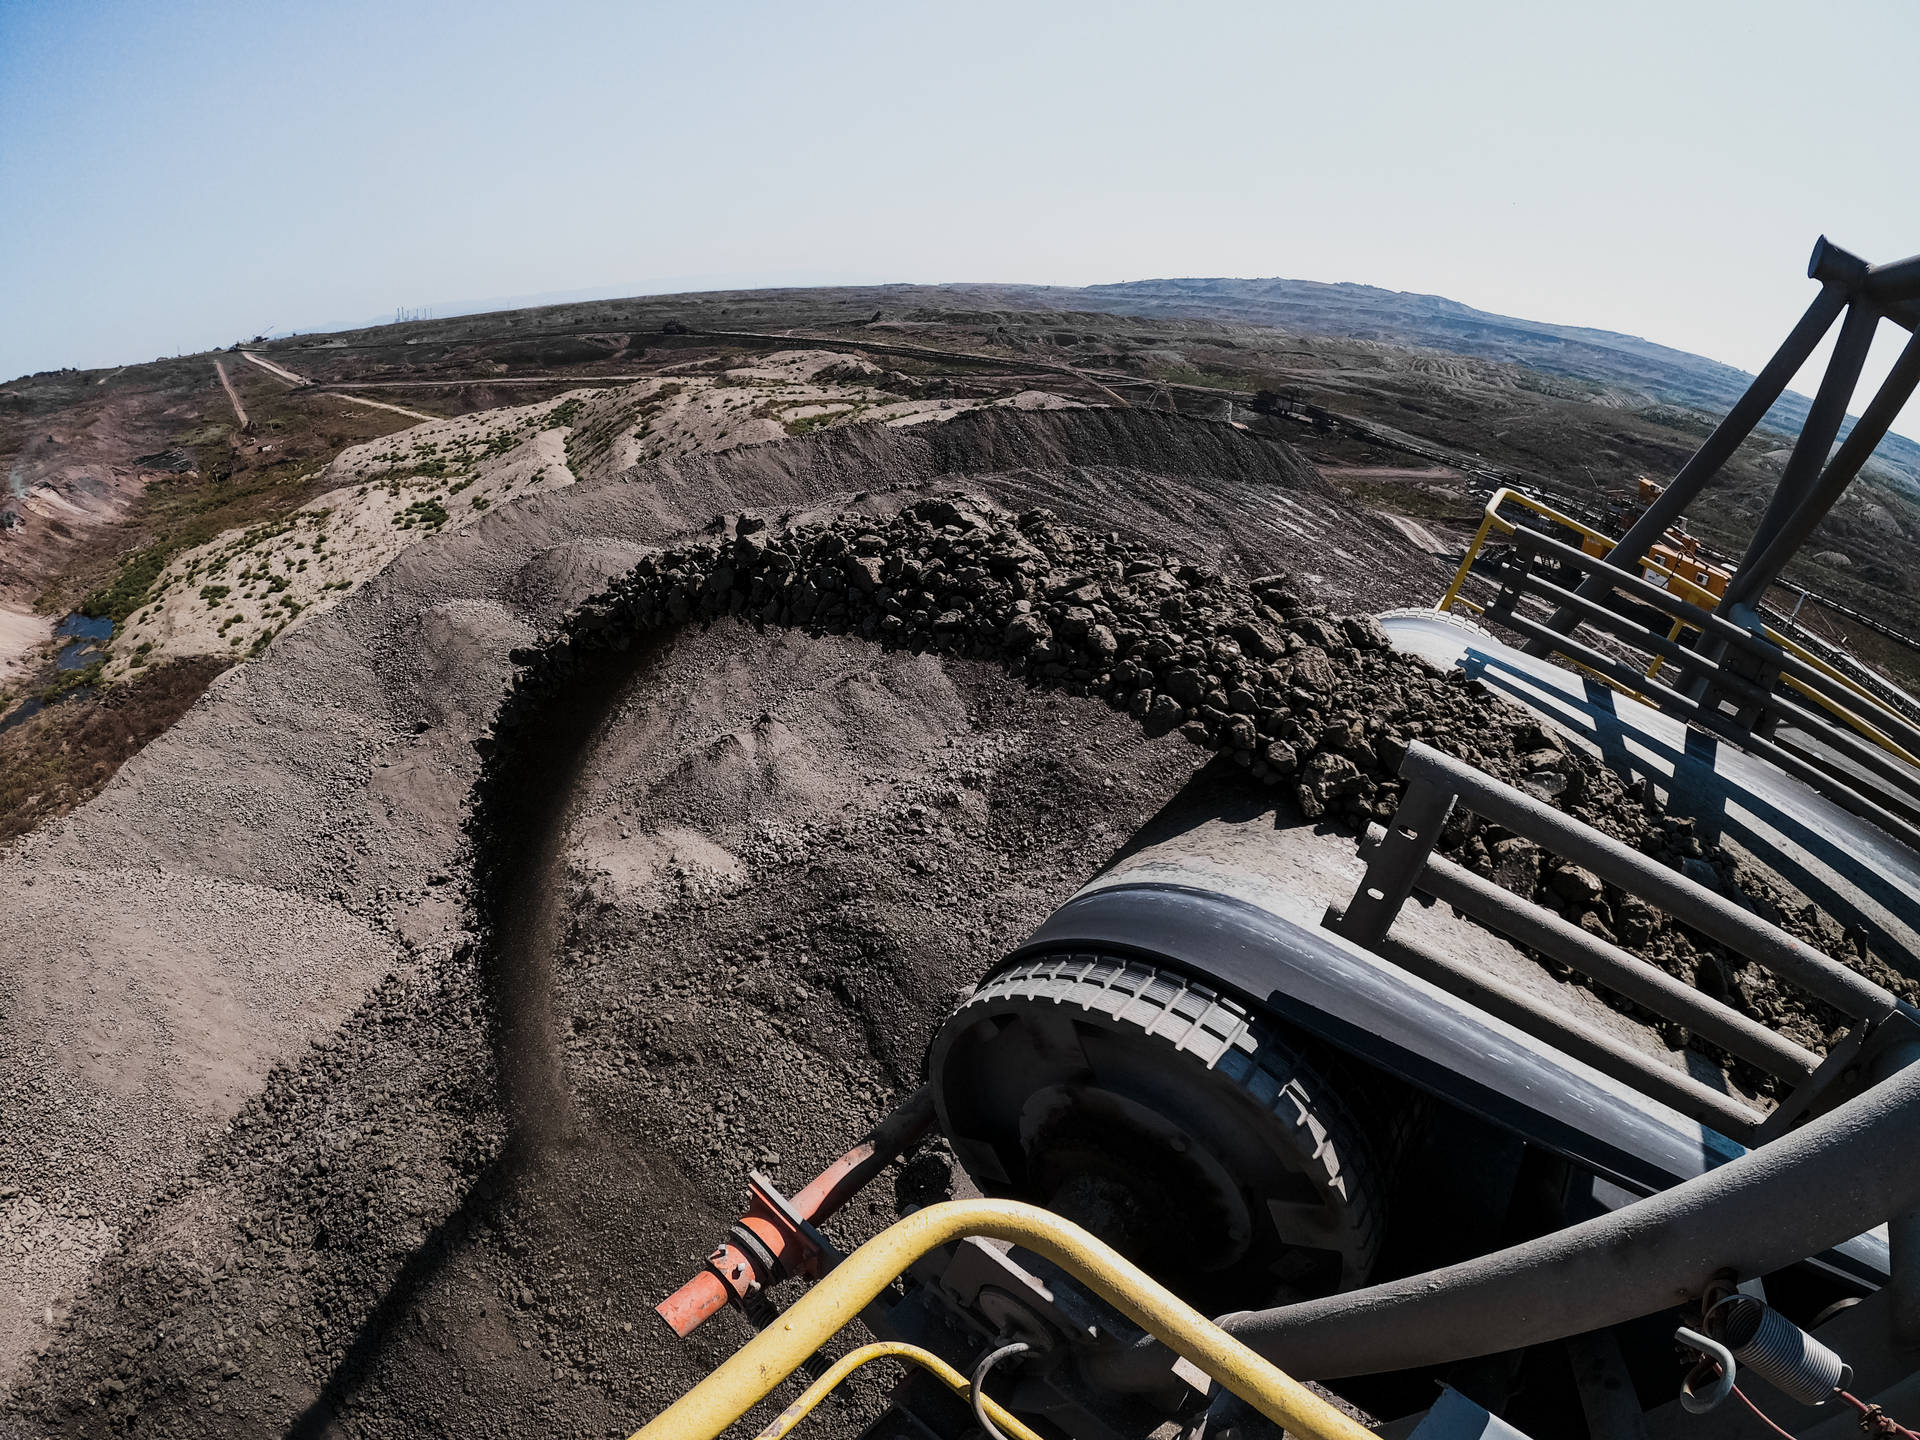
<point>1418,502</point>
<point>565,413</point>
<point>68,681</point>
<point>65,755</point>
<point>128,590</point>
<point>502,442</point>
<point>214,594</point>
<point>423,515</point>
<point>807,424</point>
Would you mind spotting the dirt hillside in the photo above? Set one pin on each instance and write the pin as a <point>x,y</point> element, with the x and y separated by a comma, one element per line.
<point>246,1065</point>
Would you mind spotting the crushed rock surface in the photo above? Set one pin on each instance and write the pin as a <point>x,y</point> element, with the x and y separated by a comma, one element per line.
<point>330,774</point>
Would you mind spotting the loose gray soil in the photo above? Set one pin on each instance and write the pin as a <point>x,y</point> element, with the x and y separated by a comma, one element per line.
<point>257,1143</point>
<point>309,1138</point>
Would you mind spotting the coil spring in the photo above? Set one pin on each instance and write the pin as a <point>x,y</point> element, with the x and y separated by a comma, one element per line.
<point>1778,1351</point>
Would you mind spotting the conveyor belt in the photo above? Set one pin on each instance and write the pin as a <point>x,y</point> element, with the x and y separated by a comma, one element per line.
<point>1853,870</point>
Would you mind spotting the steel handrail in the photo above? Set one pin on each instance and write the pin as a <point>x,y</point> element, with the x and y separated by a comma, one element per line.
<point>1786,663</point>
<point>1866,728</point>
<point>1684,589</point>
<point>750,1375</point>
<point>1493,520</point>
<point>783,1423</point>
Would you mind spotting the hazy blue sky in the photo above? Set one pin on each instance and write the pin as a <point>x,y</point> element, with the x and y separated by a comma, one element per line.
<point>175,176</point>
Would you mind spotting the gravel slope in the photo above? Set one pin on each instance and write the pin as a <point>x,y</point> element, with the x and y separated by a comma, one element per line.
<point>271,876</point>
<point>309,1147</point>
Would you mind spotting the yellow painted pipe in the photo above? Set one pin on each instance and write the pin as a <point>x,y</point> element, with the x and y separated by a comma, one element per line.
<point>784,1422</point>
<point>751,1374</point>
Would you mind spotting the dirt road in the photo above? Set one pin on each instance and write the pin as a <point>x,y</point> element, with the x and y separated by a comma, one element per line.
<point>335,386</point>
<point>273,369</point>
<point>292,379</point>
<point>239,410</point>
<point>383,405</point>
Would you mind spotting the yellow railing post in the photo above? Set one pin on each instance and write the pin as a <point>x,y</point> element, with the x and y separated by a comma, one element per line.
<point>1466,563</point>
<point>1653,670</point>
<point>783,1423</point>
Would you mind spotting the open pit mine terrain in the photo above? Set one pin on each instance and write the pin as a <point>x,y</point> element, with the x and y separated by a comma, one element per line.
<point>472,789</point>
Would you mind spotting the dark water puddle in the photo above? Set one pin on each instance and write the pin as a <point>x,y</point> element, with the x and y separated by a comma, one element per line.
<point>83,636</point>
<point>25,710</point>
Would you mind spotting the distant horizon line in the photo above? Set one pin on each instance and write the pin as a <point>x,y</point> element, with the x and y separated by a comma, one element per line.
<point>712,284</point>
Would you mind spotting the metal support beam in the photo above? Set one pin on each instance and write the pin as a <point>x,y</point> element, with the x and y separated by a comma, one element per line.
<point>1625,974</point>
<point>1903,1230</point>
<point>1394,865</point>
<point>1714,451</point>
<point>1748,585</point>
<point>1607,1397</point>
<point>1824,419</point>
<point>1881,716</point>
<point>1903,779</point>
<point>1764,943</point>
<point>1854,1062</point>
<point>1585,1043</point>
<point>1894,281</point>
<point>1684,707</point>
<point>1815,1188</point>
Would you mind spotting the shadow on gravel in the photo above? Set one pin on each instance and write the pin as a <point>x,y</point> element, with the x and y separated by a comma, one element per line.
<point>518,829</point>
<point>446,1239</point>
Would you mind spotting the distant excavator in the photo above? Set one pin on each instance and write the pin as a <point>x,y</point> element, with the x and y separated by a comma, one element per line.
<point>1224,1134</point>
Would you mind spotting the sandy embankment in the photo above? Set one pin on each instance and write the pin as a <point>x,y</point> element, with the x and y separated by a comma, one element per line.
<point>21,635</point>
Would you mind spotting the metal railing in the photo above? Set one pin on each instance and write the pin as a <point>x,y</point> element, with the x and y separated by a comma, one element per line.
<point>1769,661</point>
<point>783,1424</point>
<point>1825,686</point>
<point>750,1375</point>
<point>1840,739</point>
<point>1400,860</point>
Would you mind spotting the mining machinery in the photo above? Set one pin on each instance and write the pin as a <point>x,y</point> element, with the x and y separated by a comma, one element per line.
<point>1262,1131</point>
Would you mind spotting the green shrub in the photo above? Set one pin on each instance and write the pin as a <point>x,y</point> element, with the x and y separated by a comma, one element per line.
<point>422,514</point>
<point>128,590</point>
